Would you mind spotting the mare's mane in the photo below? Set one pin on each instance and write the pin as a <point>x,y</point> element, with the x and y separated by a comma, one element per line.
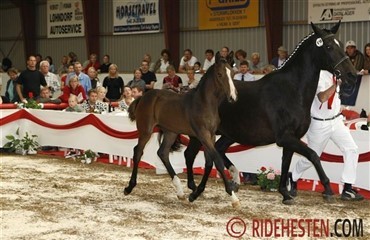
<point>294,54</point>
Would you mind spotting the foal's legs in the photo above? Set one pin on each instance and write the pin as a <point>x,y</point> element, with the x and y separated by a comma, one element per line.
<point>190,154</point>
<point>211,154</point>
<point>163,153</point>
<point>138,152</point>
<point>293,144</point>
<point>222,144</point>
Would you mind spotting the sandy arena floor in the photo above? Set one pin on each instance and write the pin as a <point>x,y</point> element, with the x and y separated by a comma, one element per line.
<point>54,198</point>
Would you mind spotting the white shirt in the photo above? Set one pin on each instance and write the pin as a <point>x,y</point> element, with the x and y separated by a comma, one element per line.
<point>320,110</point>
<point>190,62</point>
<point>247,77</point>
<point>208,63</point>
<point>52,80</point>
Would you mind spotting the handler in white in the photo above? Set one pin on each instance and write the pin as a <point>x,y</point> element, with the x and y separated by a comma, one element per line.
<point>327,123</point>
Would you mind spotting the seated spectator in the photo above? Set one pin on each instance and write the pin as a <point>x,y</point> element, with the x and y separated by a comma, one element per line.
<point>197,67</point>
<point>126,99</point>
<point>73,105</point>
<point>356,57</point>
<point>224,52</point>
<point>268,68</point>
<point>93,62</point>
<point>256,66</point>
<point>92,105</point>
<point>45,97</point>
<point>162,63</point>
<point>11,90</point>
<point>243,74</point>
<point>93,75</point>
<point>148,76</point>
<point>102,94</point>
<point>74,88</point>
<point>82,77</point>
<point>52,80</point>
<point>172,81</point>
<point>137,79</point>
<point>137,91</point>
<point>104,67</point>
<point>241,56</point>
<point>210,59</point>
<point>72,58</point>
<point>148,58</point>
<point>113,83</point>
<point>367,59</point>
<point>6,64</point>
<point>192,82</point>
<point>63,76</point>
<point>63,68</point>
<point>51,65</point>
<point>187,61</point>
<point>282,56</point>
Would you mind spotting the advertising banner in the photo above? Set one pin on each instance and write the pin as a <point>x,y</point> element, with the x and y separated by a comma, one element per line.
<point>65,19</point>
<point>328,11</point>
<point>216,14</point>
<point>135,16</point>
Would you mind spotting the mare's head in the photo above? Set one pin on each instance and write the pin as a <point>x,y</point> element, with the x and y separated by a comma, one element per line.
<point>221,74</point>
<point>333,56</point>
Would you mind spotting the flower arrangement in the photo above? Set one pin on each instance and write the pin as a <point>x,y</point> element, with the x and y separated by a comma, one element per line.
<point>88,156</point>
<point>268,179</point>
<point>30,104</point>
<point>26,145</point>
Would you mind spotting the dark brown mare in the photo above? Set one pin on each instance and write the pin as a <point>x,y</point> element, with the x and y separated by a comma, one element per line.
<point>276,108</point>
<point>194,114</point>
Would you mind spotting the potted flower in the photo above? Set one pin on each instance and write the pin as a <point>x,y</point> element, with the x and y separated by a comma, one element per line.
<point>26,145</point>
<point>88,156</point>
<point>268,179</point>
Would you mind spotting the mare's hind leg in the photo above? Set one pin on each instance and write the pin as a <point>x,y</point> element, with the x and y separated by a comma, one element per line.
<point>295,145</point>
<point>163,152</point>
<point>190,154</point>
<point>285,164</point>
<point>138,152</point>
<point>222,144</point>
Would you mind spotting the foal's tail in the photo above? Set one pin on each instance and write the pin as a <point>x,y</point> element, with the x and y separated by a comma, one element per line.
<point>132,108</point>
<point>176,146</point>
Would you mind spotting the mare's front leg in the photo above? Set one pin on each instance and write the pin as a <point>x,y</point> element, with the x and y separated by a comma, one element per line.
<point>293,144</point>
<point>285,164</point>
<point>163,152</point>
<point>138,153</point>
<point>190,153</point>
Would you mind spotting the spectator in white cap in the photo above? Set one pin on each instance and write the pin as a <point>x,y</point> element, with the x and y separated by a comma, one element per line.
<point>282,56</point>
<point>356,57</point>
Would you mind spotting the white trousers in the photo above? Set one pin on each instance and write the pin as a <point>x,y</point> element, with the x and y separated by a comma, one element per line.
<point>318,136</point>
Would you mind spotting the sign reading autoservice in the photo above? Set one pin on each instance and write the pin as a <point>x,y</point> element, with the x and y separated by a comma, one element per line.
<point>326,11</point>
<point>135,16</point>
<point>65,19</point>
<point>218,14</point>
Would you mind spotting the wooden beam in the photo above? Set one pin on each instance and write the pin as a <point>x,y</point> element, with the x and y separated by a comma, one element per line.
<point>170,9</point>
<point>92,31</point>
<point>27,10</point>
<point>274,26</point>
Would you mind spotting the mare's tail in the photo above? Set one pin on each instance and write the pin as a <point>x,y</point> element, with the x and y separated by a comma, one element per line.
<point>132,108</point>
<point>176,146</point>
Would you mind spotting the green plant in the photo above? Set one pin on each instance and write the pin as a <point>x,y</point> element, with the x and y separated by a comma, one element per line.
<point>30,104</point>
<point>268,179</point>
<point>87,156</point>
<point>27,143</point>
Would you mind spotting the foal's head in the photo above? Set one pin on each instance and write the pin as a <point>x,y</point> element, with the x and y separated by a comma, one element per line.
<point>223,77</point>
<point>332,54</point>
